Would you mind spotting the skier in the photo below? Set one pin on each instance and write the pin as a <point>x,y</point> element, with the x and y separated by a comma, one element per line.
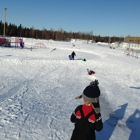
<point>87,117</point>
<point>73,54</point>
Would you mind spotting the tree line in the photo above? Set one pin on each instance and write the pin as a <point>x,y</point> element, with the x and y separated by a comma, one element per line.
<point>59,35</point>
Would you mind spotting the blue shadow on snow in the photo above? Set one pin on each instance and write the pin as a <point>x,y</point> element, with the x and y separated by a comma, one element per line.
<point>133,123</point>
<point>110,124</point>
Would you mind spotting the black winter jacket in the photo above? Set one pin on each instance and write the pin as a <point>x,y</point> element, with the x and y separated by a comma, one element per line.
<point>94,122</point>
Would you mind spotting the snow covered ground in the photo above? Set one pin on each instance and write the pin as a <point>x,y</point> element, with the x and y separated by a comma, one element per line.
<point>38,90</point>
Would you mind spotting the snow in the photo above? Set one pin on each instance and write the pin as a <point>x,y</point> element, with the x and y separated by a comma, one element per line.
<point>38,90</point>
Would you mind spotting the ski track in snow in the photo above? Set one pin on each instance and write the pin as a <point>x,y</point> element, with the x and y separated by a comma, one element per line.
<point>11,92</point>
<point>23,89</point>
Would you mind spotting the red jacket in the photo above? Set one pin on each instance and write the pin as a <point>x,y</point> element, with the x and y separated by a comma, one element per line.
<point>86,110</point>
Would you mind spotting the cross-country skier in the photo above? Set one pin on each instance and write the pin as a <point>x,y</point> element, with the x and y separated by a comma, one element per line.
<point>87,117</point>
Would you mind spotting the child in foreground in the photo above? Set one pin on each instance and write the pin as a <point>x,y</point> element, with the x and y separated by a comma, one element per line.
<point>87,117</point>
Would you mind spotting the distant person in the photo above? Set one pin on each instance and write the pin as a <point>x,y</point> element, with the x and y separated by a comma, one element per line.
<point>87,117</point>
<point>90,72</point>
<point>21,43</point>
<point>84,59</point>
<point>73,55</point>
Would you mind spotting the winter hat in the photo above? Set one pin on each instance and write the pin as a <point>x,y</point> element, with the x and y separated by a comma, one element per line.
<point>92,93</point>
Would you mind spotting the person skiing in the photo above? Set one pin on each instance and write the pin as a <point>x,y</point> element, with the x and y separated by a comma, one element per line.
<point>73,54</point>
<point>87,117</point>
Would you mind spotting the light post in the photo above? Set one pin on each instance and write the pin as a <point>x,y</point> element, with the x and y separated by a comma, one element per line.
<point>4,21</point>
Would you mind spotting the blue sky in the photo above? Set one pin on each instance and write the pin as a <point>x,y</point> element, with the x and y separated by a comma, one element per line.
<point>102,17</point>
